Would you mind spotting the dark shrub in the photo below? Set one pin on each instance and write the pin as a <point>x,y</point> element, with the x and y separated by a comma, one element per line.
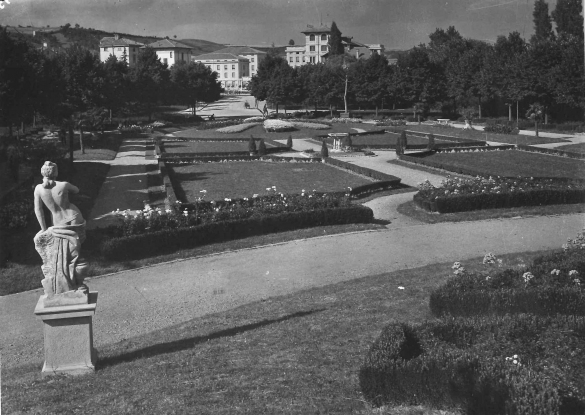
<point>261,148</point>
<point>324,150</point>
<point>252,144</point>
<point>289,142</point>
<point>431,145</point>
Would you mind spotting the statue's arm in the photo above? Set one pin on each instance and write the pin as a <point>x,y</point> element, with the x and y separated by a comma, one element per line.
<point>39,211</point>
<point>72,188</point>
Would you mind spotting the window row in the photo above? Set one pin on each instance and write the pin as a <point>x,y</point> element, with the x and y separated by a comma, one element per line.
<point>312,37</point>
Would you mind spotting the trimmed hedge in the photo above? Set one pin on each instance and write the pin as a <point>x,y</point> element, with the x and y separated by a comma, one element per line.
<point>363,170</point>
<point>464,203</point>
<point>551,151</point>
<point>439,136</point>
<point>520,364</point>
<point>156,243</point>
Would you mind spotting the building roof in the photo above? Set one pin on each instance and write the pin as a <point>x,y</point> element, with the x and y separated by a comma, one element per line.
<point>240,50</point>
<point>168,44</point>
<point>320,29</point>
<point>218,56</point>
<point>112,41</point>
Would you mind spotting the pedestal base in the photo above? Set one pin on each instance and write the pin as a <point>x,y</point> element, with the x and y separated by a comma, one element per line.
<point>68,332</point>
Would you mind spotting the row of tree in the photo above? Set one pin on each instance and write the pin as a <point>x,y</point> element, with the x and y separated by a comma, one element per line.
<point>449,73</point>
<point>76,89</point>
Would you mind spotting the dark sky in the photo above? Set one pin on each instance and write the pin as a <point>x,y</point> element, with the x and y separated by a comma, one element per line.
<point>398,24</point>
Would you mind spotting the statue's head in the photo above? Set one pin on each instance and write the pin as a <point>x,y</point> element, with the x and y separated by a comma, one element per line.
<point>49,172</point>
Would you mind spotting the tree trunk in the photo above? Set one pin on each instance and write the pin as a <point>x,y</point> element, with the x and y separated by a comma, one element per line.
<point>331,110</point>
<point>545,116</point>
<point>376,110</point>
<point>71,146</point>
<point>536,127</point>
<point>479,107</point>
<point>277,109</point>
<point>81,140</point>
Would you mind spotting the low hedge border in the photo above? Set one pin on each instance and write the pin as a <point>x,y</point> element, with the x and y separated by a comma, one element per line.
<point>551,151</point>
<point>465,203</point>
<point>246,157</point>
<point>459,149</point>
<point>156,243</point>
<point>362,170</point>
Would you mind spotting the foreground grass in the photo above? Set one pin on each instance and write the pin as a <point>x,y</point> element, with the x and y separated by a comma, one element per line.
<point>297,354</point>
<point>25,274</point>
<point>480,135</point>
<point>576,148</point>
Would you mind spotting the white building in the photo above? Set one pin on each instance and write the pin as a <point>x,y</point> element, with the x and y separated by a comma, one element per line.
<point>254,56</point>
<point>316,47</point>
<point>233,70</point>
<point>170,51</point>
<point>121,48</point>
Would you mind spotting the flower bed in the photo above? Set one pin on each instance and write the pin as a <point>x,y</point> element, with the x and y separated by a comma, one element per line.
<point>460,195</point>
<point>310,125</point>
<point>254,119</point>
<point>346,120</point>
<point>278,126</point>
<point>150,232</point>
<point>238,128</point>
<point>212,125</point>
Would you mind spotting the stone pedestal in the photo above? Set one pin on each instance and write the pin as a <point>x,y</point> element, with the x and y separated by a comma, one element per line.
<point>68,336</point>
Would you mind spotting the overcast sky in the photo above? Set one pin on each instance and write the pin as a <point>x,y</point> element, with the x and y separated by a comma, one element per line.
<point>398,24</point>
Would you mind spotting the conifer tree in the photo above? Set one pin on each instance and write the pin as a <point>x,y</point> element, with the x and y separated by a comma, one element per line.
<point>261,148</point>
<point>542,22</point>
<point>567,17</point>
<point>252,144</point>
<point>335,45</point>
<point>289,142</point>
<point>324,150</point>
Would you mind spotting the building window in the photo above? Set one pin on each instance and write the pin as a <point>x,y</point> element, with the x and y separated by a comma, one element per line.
<point>303,58</point>
<point>225,67</point>
<point>233,74</point>
<point>323,48</point>
<point>225,75</point>
<point>105,49</point>
<point>252,59</point>
<point>323,37</point>
<point>233,67</point>
<point>297,58</point>
<point>290,59</point>
<point>218,67</point>
<point>165,61</point>
<point>312,48</point>
<point>171,54</point>
<point>312,38</point>
<point>252,67</point>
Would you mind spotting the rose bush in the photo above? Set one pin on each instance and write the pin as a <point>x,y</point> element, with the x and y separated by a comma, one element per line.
<point>278,126</point>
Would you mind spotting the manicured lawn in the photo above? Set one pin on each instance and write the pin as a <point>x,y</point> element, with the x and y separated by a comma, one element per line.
<point>176,147</point>
<point>243,179</point>
<point>480,135</point>
<point>512,163</point>
<point>390,139</point>
<point>576,148</point>
<point>295,354</point>
<point>258,132</point>
<point>101,147</point>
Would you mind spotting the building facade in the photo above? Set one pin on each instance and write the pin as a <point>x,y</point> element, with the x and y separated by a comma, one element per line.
<point>254,56</point>
<point>316,47</point>
<point>170,51</point>
<point>121,48</point>
<point>233,70</point>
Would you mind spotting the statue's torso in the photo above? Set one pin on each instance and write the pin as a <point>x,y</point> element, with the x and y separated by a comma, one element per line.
<point>57,201</point>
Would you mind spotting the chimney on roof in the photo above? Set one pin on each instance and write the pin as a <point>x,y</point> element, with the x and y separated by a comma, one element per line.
<point>116,37</point>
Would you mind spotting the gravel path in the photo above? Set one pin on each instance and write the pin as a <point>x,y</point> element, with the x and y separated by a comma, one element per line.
<point>135,302</point>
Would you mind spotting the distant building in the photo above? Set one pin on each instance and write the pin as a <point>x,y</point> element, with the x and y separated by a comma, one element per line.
<point>254,56</point>
<point>171,51</point>
<point>119,47</point>
<point>316,47</point>
<point>233,70</point>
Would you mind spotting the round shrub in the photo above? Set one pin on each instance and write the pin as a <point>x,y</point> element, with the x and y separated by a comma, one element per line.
<point>261,148</point>
<point>252,144</point>
<point>324,150</point>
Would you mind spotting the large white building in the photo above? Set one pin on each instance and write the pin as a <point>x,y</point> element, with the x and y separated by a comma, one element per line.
<point>121,48</point>
<point>233,70</point>
<point>254,56</point>
<point>316,47</point>
<point>170,51</point>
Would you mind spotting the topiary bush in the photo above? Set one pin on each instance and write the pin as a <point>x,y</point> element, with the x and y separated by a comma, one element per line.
<point>431,144</point>
<point>289,142</point>
<point>252,144</point>
<point>262,148</point>
<point>324,150</point>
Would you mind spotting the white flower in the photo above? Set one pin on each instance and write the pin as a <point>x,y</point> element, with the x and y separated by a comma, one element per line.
<point>527,276</point>
<point>268,188</point>
<point>555,272</point>
<point>255,195</point>
<point>203,191</point>
<point>168,211</point>
<point>401,288</point>
<point>573,272</point>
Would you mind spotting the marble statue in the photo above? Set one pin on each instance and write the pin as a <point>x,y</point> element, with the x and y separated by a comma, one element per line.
<point>59,245</point>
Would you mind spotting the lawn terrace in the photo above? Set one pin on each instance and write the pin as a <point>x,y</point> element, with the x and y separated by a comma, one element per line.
<point>244,179</point>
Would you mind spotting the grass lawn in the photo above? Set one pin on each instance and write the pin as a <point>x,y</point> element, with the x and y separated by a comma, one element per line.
<point>258,132</point>
<point>480,135</point>
<point>243,179</point>
<point>177,147</point>
<point>576,148</point>
<point>513,163</point>
<point>294,354</point>
<point>103,147</point>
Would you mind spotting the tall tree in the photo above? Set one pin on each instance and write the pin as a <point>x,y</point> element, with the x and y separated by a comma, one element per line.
<point>195,83</point>
<point>418,78</point>
<point>149,79</point>
<point>369,79</point>
<point>542,22</point>
<point>272,80</point>
<point>567,17</point>
<point>335,45</point>
<point>116,87</point>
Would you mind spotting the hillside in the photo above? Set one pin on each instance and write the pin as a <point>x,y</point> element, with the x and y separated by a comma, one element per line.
<point>201,46</point>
